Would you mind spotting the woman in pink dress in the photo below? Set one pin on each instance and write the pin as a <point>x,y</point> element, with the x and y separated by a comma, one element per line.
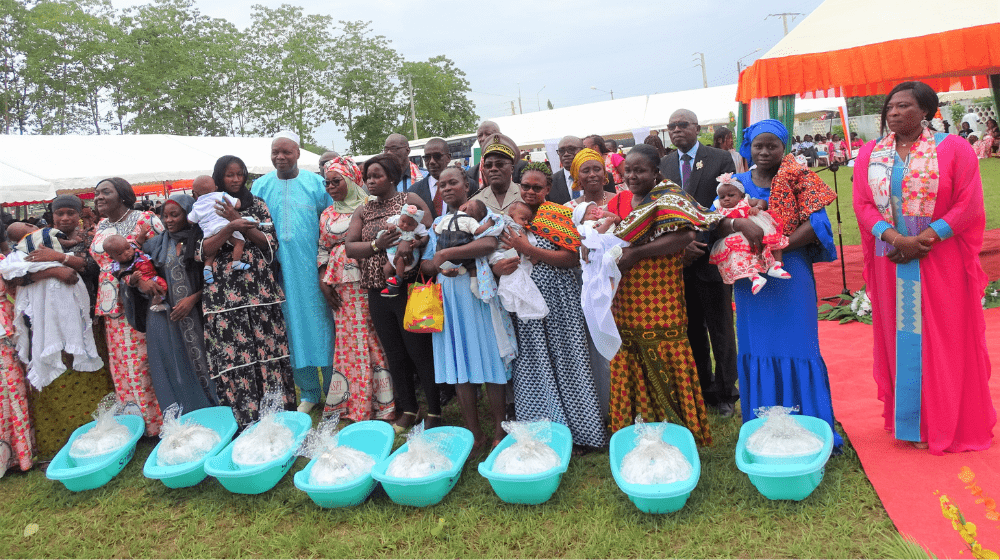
<point>360,387</point>
<point>17,438</point>
<point>919,201</point>
<point>114,198</point>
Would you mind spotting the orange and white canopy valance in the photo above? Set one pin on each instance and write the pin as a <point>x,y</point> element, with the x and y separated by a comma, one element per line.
<point>865,47</point>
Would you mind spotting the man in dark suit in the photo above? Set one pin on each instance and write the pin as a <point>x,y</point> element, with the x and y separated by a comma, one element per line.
<point>436,158</point>
<point>562,183</point>
<point>709,300</point>
<point>485,131</point>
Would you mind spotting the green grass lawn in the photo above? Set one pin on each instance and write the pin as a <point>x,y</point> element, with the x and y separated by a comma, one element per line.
<point>588,517</point>
<point>988,168</point>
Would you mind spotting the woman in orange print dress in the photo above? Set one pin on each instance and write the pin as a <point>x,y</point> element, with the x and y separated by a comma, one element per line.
<point>360,387</point>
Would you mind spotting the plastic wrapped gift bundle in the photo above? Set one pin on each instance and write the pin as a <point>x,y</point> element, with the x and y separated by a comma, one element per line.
<point>652,460</point>
<point>782,435</point>
<point>423,456</point>
<point>530,454</point>
<point>106,436</point>
<point>335,463</point>
<point>183,443</point>
<point>266,439</point>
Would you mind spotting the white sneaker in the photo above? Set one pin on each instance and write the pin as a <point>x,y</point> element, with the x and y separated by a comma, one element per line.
<point>758,283</point>
<point>306,406</point>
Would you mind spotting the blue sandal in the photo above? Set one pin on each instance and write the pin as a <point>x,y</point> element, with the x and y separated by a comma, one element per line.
<point>240,265</point>
<point>209,277</point>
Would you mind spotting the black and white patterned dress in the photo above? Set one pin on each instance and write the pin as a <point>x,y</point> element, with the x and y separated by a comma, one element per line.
<point>552,375</point>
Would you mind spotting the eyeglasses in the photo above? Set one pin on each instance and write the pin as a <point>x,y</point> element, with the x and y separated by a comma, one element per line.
<point>533,188</point>
<point>388,149</point>
<point>435,157</point>
<point>333,182</point>
<point>679,124</point>
<point>565,151</point>
<point>495,164</point>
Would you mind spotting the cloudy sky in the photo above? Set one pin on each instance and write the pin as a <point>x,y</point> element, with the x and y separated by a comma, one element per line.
<point>558,50</point>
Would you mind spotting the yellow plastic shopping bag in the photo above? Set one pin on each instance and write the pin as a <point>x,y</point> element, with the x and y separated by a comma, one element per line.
<point>424,308</point>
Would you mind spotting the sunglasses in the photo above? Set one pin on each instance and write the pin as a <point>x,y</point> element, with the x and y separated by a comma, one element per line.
<point>533,188</point>
<point>333,182</point>
<point>565,151</point>
<point>680,124</point>
<point>435,157</point>
<point>496,165</point>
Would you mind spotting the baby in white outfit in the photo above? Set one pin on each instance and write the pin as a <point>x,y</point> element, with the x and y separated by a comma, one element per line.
<point>203,213</point>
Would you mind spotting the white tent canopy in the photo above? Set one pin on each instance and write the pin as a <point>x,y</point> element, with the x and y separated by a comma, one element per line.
<point>712,106</point>
<point>32,168</point>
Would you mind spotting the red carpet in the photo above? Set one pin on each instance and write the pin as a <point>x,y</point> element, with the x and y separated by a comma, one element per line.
<point>904,477</point>
<point>829,281</point>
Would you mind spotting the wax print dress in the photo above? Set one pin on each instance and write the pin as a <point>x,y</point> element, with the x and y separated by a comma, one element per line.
<point>931,363</point>
<point>777,330</point>
<point>654,373</point>
<point>68,402</point>
<point>126,346</point>
<point>296,205</point>
<point>245,338</point>
<point>17,438</point>
<point>361,386</point>
<point>552,373</point>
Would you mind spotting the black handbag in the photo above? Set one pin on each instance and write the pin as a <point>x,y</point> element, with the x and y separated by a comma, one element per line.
<point>454,237</point>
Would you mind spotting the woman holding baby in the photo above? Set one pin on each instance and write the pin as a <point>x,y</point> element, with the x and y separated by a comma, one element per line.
<point>408,353</point>
<point>553,378</point>
<point>477,344</point>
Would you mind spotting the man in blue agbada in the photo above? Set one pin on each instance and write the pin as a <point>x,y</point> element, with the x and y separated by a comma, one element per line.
<point>296,201</point>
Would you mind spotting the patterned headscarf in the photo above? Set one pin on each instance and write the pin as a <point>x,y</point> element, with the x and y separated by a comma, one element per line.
<point>356,195</point>
<point>582,157</point>
<point>767,125</point>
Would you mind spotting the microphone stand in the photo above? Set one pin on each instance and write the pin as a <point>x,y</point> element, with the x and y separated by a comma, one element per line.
<point>845,294</point>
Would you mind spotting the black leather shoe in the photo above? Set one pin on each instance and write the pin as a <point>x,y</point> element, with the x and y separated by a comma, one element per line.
<point>726,410</point>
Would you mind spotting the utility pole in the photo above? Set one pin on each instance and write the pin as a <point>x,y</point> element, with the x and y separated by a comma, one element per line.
<point>784,18</point>
<point>519,108</point>
<point>413,111</point>
<point>512,111</point>
<point>704,72</point>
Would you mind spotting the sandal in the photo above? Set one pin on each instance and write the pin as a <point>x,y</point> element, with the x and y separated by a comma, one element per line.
<point>432,420</point>
<point>398,428</point>
<point>240,265</point>
<point>209,277</point>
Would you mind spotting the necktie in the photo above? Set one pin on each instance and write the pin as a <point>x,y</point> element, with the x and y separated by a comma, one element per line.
<point>685,171</point>
<point>437,202</point>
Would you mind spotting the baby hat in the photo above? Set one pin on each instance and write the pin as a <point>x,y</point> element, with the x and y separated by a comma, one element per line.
<point>412,211</point>
<point>729,179</point>
<point>580,211</point>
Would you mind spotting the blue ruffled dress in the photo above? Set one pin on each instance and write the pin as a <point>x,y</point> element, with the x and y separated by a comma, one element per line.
<point>777,330</point>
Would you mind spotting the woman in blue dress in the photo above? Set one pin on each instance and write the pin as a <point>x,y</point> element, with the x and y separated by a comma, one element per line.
<point>779,361</point>
<point>467,352</point>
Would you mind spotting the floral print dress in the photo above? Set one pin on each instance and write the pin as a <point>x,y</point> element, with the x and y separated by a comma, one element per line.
<point>17,438</point>
<point>360,387</point>
<point>245,337</point>
<point>126,346</point>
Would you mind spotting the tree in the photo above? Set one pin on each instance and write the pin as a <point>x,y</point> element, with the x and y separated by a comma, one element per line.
<point>66,47</point>
<point>292,63</point>
<point>440,96</point>
<point>366,101</point>
<point>867,105</point>
<point>172,68</point>
<point>548,103</point>
<point>13,30</point>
